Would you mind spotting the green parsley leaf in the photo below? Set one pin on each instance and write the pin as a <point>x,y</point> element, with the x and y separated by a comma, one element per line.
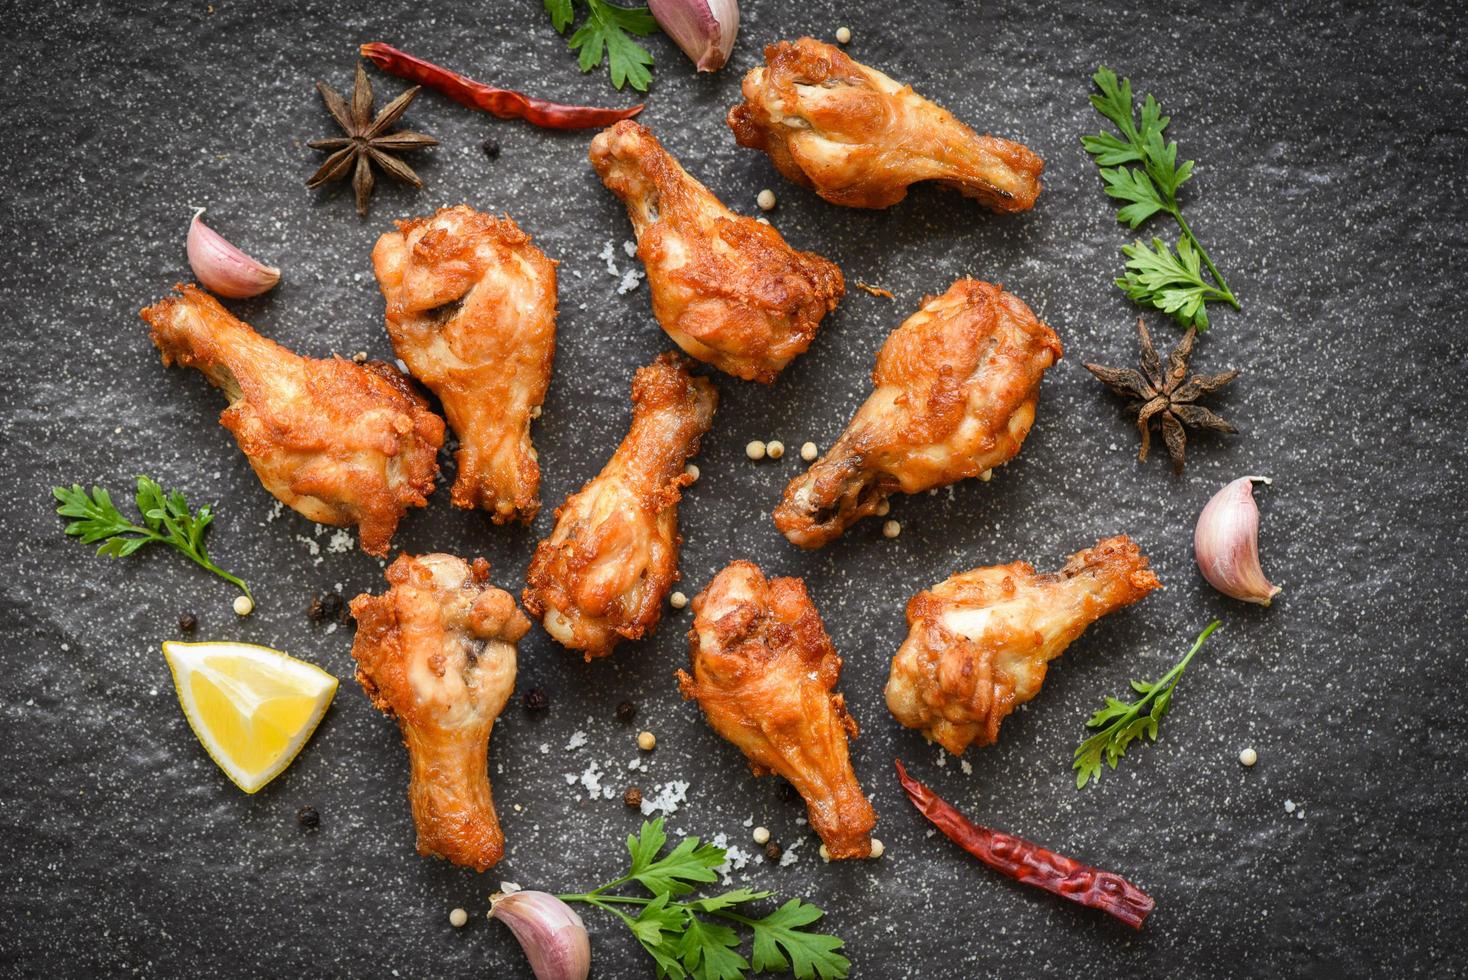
<point>711,951</point>
<point>561,14</point>
<point>1172,283</point>
<point>810,954</point>
<point>604,36</point>
<point>684,945</point>
<point>1122,723</point>
<point>166,520</point>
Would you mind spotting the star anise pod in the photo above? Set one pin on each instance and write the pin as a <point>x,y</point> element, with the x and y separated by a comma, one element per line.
<point>1166,396</point>
<point>366,141</point>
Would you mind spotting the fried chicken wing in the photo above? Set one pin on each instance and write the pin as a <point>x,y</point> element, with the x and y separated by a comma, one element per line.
<point>978,643</point>
<point>471,309</point>
<point>765,672</point>
<point>726,288</point>
<point>956,387</point>
<point>858,138</point>
<point>437,652</point>
<point>338,442</point>
<point>603,573</point>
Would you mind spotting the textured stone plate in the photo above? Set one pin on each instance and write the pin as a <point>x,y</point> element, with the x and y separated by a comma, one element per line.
<point>1330,143</point>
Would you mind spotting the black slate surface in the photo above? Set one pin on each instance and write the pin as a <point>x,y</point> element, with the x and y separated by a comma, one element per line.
<point>1331,143</point>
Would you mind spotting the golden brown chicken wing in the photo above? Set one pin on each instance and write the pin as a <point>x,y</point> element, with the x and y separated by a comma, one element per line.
<point>727,289</point>
<point>956,387</point>
<point>338,442</point>
<point>471,309</point>
<point>764,672</point>
<point>978,642</point>
<point>604,571</point>
<point>859,138</point>
<point>437,652</point>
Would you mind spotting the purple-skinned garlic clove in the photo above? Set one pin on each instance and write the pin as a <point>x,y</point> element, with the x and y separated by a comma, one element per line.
<point>223,269</point>
<point>704,29</point>
<point>1226,543</point>
<point>549,930</point>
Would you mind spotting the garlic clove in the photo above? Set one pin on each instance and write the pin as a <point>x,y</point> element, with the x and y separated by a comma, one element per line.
<point>224,269</point>
<point>1226,543</point>
<point>704,29</point>
<point>549,930</point>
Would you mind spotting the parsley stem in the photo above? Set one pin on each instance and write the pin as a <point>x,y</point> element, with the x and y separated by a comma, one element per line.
<point>1224,292</point>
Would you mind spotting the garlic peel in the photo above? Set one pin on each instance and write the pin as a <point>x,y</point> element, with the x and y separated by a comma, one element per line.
<point>704,29</point>
<point>1226,543</point>
<point>224,269</point>
<point>551,933</point>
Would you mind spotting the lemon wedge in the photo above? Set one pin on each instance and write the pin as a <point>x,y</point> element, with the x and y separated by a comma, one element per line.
<point>252,707</point>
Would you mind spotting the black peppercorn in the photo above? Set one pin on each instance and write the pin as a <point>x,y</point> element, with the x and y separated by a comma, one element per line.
<point>307,817</point>
<point>188,622</point>
<point>331,605</point>
<point>626,711</point>
<point>772,851</point>
<point>535,700</point>
<point>633,797</point>
<point>315,612</point>
<point>491,149</point>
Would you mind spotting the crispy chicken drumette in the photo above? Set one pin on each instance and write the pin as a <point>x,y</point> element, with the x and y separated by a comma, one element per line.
<point>338,442</point>
<point>978,642</point>
<point>764,672</point>
<point>437,652</point>
<point>471,309</point>
<point>955,392</point>
<point>859,138</point>
<point>726,288</point>
<point>604,571</point>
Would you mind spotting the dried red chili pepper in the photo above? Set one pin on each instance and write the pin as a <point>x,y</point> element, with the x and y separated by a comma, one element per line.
<point>502,102</point>
<point>1032,864</point>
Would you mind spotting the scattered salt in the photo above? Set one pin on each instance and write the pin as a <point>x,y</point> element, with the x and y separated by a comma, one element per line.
<point>629,281</point>
<point>340,542</point>
<point>630,248</point>
<point>790,857</point>
<point>667,798</point>
<point>545,748</point>
<point>578,739</point>
<point>968,770</point>
<point>609,255</point>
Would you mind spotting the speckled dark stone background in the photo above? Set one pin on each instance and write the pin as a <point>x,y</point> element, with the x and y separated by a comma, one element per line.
<point>1331,142</point>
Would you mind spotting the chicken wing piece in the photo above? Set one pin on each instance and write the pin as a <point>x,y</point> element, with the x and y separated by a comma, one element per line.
<point>604,571</point>
<point>764,672</point>
<point>338,442</point>
<point>858,138</point>
<point>471,309</point>
<point>726,288</point>
<point>978,642</point>
<point>956,387</point>
<point>437,652</point>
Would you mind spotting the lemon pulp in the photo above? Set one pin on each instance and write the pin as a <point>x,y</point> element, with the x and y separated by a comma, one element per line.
<point>252,708</point>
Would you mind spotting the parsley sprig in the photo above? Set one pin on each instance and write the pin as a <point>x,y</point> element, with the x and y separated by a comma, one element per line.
<point>604,35</point>
<point>694,938</point>
<point>1121,723</point>
<point>166,520</point>
<point>1155,276</point>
